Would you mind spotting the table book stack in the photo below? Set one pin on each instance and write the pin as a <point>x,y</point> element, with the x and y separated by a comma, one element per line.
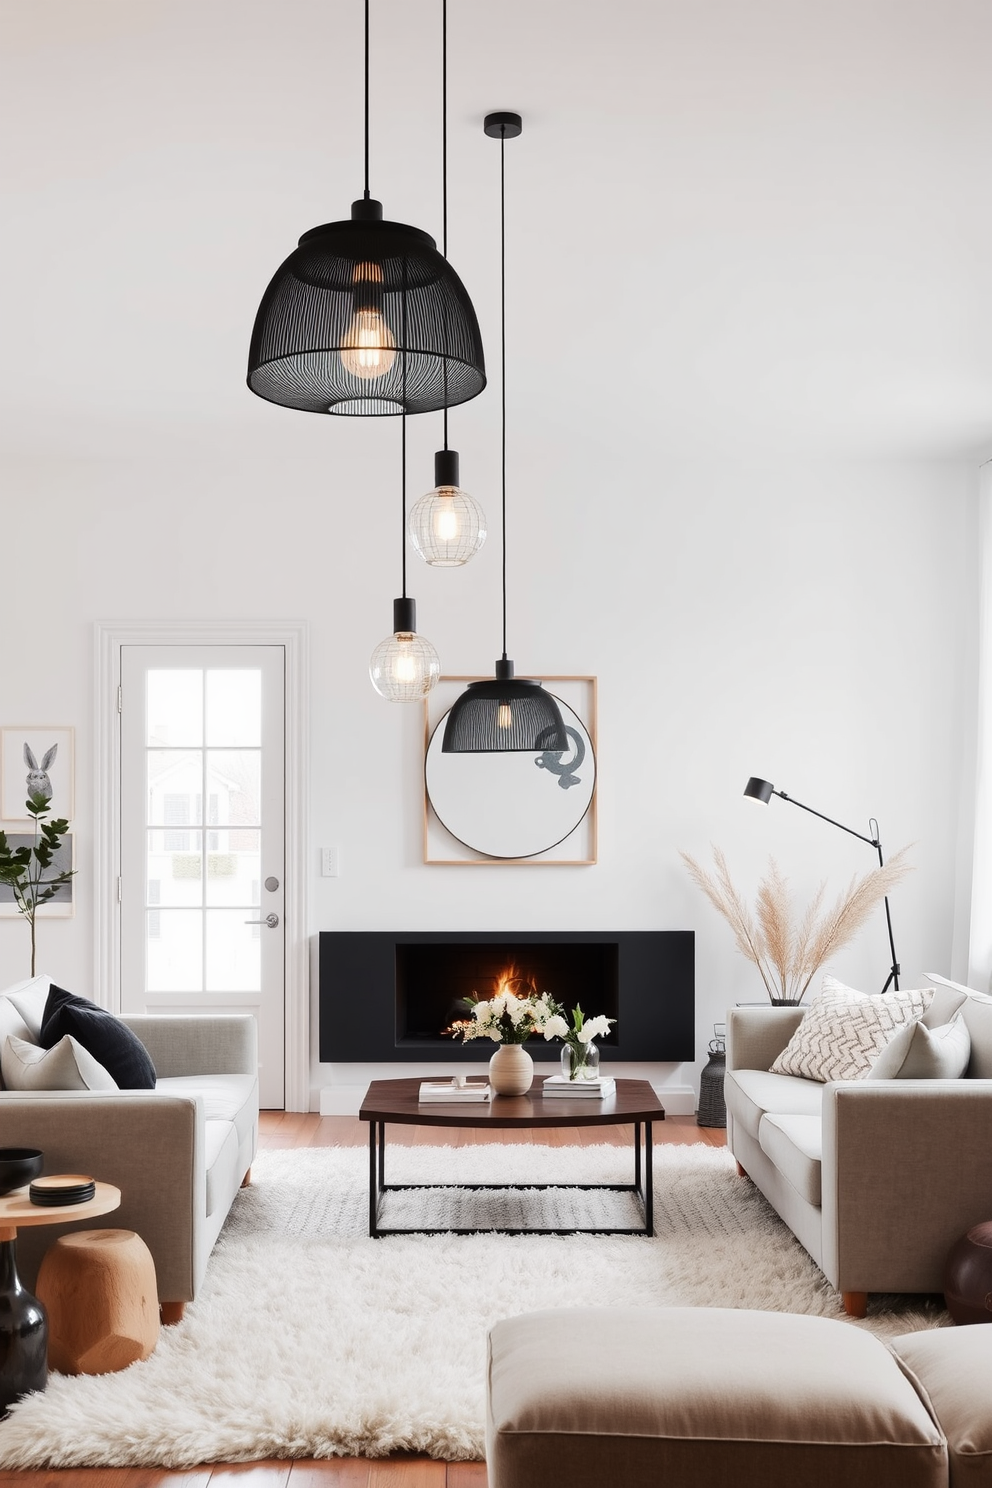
<point>597,1089</point>
<point>459,1090</point>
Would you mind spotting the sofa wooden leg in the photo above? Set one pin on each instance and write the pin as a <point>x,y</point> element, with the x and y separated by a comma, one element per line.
<point>246,1180</point>
<point>171,1312</point>
<point>855,1304</point>
<point>741,1172</point>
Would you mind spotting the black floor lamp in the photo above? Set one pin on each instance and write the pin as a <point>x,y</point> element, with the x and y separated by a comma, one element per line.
<point>763,790</point>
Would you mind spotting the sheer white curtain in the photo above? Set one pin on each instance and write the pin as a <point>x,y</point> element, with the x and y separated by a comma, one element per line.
<point>980,937</point>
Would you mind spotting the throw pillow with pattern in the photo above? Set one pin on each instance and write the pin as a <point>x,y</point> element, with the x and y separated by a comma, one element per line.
<point>844,1031</point>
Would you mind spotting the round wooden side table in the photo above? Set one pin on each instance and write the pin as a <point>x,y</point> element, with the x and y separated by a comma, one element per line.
<point>23,1323</point>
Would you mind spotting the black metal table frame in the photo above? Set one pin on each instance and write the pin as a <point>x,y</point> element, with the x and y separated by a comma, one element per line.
<point>643,1186</point>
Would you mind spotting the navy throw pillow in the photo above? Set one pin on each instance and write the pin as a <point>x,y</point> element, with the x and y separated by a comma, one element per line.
<point>110,1041</point>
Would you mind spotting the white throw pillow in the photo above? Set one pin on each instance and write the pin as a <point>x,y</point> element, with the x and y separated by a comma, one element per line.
<point>66,1066</point>
<point>844,1031</point>
<point>921,1053</point>
<point>29,998</point>
<point>12,1025</point>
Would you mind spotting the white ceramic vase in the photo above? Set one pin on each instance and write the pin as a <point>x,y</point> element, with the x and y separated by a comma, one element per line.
<point>511,1070</point>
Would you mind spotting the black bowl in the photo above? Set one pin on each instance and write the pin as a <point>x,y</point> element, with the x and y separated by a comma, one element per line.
<point>18,1166</point>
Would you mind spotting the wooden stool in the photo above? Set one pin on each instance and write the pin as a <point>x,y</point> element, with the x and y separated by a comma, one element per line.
<point>102,1299</point>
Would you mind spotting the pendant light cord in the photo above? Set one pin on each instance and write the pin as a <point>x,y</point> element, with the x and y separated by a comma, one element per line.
<point>502,347</point>
<point>366,100</point>
<point>444,174</point>
<point>403,496</point>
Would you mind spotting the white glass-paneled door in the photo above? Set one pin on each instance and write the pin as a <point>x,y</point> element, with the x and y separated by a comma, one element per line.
<point>202,837</point>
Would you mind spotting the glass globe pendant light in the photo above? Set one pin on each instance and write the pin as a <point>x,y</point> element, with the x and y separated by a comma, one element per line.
<point>366,317</point>
<point>447,525</point>
<point>405,666</point>
<point>507,712</point>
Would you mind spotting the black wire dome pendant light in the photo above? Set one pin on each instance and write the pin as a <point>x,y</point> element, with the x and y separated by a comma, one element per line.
<point>366,317</point>
<point>508,712</point>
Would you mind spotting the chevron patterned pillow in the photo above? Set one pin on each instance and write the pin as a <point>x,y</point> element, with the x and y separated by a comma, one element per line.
<point>844,1031</point>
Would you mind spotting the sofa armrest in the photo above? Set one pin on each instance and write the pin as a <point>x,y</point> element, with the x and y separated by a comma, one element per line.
<point>198,1044</point>
<point>906,1170</point>
<point>149,1145</point>
<point>757,1035</point>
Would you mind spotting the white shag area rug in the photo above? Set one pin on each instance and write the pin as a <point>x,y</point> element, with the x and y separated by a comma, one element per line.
<point>311,1340</point>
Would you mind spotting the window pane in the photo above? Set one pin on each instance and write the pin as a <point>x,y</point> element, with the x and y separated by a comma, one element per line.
<point>175,787</point>
<point>234,961</point>
<point>176,869</point>
<point>233,870</point>
<point>175,707</point>
<point>234,708</point>
<point>234,778</point>
<point>174,950</point>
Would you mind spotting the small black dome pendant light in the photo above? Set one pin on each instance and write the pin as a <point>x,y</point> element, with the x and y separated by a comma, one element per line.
<point>404,667</point>
<point>366,317</point>
<point>447,526</point>
<point>508,712</point>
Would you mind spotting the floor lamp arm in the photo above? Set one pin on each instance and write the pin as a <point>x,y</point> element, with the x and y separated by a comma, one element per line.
<point>893,978</point>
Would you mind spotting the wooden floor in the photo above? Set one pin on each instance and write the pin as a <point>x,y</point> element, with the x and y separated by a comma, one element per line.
<point>286,1129</point>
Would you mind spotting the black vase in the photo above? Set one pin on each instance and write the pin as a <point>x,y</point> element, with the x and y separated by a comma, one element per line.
<point>23,1334</point>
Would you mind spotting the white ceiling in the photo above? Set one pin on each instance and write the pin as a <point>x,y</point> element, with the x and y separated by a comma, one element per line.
<point>753,224</point>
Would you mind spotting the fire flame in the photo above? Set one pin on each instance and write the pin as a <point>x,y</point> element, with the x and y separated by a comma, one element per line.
<point>510,979</point>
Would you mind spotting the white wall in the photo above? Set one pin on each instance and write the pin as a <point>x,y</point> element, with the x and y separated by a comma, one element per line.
<point>808,622</point>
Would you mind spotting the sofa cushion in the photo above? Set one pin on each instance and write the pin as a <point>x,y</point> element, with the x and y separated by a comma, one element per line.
<point>977,1013</point>
<point>29,998</point>
<point>108,1039</point>
<point>951,1368</point>
<point>12,1025</point>
<point>231,1098</point>
<point>794,1145</point>
<point>844,1031</point>
<point>220,1155</point>
<point>919,1052</point>
<point>701,1395</point>
<point>66,1066</point>
<point>750,1093</point>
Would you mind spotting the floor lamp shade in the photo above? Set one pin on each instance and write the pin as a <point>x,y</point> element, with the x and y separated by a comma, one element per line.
<point>366,317</point>
<point>504,713</point>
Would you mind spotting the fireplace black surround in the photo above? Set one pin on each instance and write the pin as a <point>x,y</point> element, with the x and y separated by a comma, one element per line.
<point>385,996</point>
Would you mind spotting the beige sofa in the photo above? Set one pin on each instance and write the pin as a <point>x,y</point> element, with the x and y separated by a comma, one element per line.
<point>876,1179</point>
<point>178,1153</point>
<point>715,1398</point>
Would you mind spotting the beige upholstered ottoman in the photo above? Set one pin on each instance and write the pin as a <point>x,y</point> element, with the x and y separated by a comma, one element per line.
<point>702,1398</point>
<point>951,1369</point>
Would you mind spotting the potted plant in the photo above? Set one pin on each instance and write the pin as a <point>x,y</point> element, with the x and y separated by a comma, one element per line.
<point>31,871</point>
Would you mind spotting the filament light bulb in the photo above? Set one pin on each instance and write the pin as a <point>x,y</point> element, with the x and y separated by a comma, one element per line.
<point>447,526</point>
<point>369,346</point>
<point>504,716</point>
<point>405,666</point>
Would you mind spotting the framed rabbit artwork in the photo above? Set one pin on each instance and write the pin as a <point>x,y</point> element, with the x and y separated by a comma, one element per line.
<point>36,761</point>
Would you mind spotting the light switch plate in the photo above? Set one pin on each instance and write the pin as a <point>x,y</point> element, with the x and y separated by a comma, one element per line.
<point>329,862</point>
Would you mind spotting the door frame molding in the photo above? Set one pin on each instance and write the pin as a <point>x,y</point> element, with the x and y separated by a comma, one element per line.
<point>293,635</point>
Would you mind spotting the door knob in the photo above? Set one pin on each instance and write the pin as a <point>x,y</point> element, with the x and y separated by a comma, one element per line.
<point>271,920</point>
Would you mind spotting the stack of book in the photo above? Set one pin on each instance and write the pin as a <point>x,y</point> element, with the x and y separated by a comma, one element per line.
<point>578,1089</point>
<point>458,1089</point>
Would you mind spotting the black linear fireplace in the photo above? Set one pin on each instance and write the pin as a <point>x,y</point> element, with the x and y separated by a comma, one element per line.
<point>387,997</point>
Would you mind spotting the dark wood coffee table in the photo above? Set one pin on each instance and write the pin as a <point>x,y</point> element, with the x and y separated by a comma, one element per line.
<point>396,1101</point>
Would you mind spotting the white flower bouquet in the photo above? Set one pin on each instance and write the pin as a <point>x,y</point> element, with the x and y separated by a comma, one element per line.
<point>578,1037</point>
<point>506,1018</point>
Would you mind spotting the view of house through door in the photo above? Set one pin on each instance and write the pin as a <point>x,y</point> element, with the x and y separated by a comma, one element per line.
<point>202,837</point>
